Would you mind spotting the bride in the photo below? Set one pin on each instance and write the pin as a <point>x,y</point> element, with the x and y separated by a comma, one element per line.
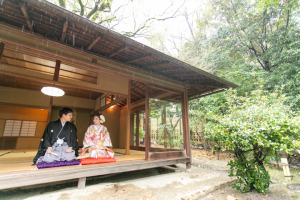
<point>96,142</point>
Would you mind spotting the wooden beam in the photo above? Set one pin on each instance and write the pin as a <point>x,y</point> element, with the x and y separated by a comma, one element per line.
<point>25,106</point>
<point>137,137</point>
<point>167,155</point>
<point>127,145</point>
<point>165,89</point>
<point>119,50</point>
<point>156,64</point>
<point>117,100</point>
<point>25,14</point>
<point>56,70</point>
<point>139,58</point>
<point>64,32</point>
<point>147,119</point>
<point>152,149</point>
<point>50,82</point>
<point>94,42</point>
<point>186,130</point>
<point>1,50</point>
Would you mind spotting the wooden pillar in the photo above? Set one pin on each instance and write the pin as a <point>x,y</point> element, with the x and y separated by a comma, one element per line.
<point>165,128</point>
<point>81,183</point>
<point>127,145</point>
<point>1,50</point>
<point>138,128</point>
<point>186,130</point>
<point>49,110</point>
<point>131,128</point>
<point>55,78</point>
<point>147,134</point>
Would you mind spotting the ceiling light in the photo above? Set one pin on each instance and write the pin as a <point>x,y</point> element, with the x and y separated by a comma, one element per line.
<point>53,91</point>
<point>111,106</point>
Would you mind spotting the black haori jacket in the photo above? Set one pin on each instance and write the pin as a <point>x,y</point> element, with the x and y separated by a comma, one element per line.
<point>68,132</point>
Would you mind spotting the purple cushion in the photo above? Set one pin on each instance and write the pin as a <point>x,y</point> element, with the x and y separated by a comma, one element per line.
<point>57,164</point>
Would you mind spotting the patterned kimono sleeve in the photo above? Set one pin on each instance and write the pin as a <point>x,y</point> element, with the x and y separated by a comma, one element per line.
<point>87,139</point>
<point>107,141</point>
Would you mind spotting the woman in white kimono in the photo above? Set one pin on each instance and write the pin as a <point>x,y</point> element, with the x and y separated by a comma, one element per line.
<point>96,142</point>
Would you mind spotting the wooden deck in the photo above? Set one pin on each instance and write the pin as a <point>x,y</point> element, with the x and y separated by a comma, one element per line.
<point>19,172</point>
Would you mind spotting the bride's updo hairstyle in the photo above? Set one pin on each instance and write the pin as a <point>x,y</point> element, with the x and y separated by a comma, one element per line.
<point>101,117</point>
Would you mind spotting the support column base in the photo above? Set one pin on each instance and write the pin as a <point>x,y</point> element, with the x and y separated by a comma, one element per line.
<point>81,183</point>
<point>188,167</point>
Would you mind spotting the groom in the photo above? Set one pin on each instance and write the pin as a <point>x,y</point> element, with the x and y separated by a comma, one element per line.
<point>56,132</point>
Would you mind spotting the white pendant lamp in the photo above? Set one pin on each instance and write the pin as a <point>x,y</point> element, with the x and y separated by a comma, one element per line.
<point>53,91</point>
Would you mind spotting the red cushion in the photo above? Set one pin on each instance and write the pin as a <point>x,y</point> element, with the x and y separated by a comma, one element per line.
<point>89,161</point>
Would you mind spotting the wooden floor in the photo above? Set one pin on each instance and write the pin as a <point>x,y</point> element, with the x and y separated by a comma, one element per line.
<point>16,169</point>
<point>21,159</point>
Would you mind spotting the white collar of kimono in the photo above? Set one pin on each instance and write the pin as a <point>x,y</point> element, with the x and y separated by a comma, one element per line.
<point>97,126</point>
<point>62,124</point>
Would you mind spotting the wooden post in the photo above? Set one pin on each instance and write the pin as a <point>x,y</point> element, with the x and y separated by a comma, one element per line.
<point>186,130</point>
<point>81,183</point>
<point>131,128</point>
<point>127,145</point>
<point>147,134</point>
<point>286,169</point>
<point>49,110</point>
<point>1,50</point>
<point>138,128</point>
<point>165,128</point>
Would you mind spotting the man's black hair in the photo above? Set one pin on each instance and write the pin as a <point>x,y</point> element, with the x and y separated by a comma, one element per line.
<point>65,111</point>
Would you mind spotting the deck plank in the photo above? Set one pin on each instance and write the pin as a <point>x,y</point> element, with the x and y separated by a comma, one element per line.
<point>34,177</point>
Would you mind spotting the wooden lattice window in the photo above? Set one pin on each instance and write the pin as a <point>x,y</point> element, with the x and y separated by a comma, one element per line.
<point>19,128</point>
<point>28,128</point>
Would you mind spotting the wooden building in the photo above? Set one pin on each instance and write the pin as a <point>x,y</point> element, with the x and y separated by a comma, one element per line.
<point>100,71</point>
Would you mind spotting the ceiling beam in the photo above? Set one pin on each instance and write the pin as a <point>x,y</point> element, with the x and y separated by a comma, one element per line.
<point>136,93</point>
<point>156,64</point>
<point>56,71</point>
<point>94,42</point>
<point>26,16</point>
<point>206,94</point>
<point>119,50</point>
<point>63,36</point>
<point>56,83</point>
<point>139,58</point>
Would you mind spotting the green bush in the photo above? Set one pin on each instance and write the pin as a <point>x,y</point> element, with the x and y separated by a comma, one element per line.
<point>254,126</point>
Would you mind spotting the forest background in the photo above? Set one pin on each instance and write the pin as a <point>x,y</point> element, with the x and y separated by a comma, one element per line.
<point>252,43</point>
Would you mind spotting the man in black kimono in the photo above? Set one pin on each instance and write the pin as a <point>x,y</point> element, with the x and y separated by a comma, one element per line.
<point>59,131</point>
